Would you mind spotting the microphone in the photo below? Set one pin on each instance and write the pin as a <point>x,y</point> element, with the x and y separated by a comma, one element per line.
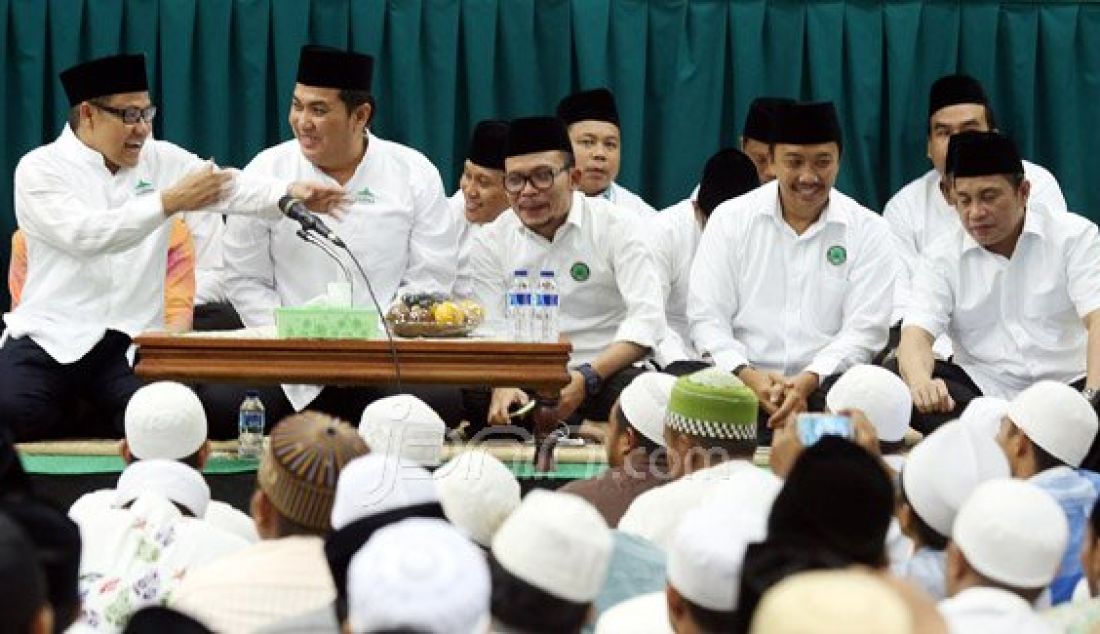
<point>295,210</point>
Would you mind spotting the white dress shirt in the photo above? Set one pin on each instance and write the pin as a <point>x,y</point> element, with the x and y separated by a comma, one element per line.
<point>919,214</point>
<point>763,295</point>
<point>675,236</point>
<point>398,225</point>
<point>983,610</point>
<point>1012,321</point>
<point>465,232</point>
<point>98,240</point>
<point>627,199</point>
<point>619,300</point>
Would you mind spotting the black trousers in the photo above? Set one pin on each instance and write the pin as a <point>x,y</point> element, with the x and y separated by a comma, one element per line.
<point>222,403</point>
<point>41,398</point>
<point>959,385</point>
<point>475,401</point>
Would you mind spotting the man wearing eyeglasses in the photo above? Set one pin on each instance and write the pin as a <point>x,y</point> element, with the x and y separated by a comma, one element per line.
<point>610,298</point>
<point>398,225</point>
<point>94,207</point>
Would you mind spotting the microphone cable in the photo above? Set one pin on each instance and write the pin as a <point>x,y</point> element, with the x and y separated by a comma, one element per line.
<point>382,316</point>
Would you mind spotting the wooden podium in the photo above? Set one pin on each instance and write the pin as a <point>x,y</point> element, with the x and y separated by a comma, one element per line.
<point>539,366</point>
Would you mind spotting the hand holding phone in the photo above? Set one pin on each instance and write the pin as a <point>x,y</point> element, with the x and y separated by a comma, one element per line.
<point>812,426</point>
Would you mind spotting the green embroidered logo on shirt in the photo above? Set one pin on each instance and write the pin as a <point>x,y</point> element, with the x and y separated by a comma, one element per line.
<point>143,186</point>
<point>579,271</point>
<point>836,255</point>
<point>365,195</point>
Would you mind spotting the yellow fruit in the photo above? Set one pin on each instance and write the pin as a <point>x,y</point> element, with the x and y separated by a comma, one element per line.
<point>474,312</point>
<point>448,313</point>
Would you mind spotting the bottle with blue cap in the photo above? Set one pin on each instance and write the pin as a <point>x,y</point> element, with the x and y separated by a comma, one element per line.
<point>250,426</point>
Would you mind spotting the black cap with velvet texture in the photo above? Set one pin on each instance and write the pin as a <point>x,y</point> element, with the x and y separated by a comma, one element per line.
<point>487,144</point>
<point>537,134</point>
<point>951,90</point>
<point>326,67</point>
<point>727,174</point>
<point>806,124</point>
<point>982,154</point>
<point>589,105</point>
<point>760,121</point>
<point>104,76</point>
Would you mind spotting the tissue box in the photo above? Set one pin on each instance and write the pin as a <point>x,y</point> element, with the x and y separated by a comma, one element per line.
<point>307,322</point>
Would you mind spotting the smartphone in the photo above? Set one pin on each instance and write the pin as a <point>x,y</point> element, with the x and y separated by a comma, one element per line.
<point>812,426</point>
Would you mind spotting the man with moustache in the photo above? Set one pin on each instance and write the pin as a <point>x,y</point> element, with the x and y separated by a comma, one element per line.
<point>611,309</point>
<point>791,283</point>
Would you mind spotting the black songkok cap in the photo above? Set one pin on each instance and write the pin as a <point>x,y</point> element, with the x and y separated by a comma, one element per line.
<point>982,154</point>
<point>537,134</point>
<point>727,174</point>
<point>589,105</point>
<point>104,76</point>
<point>487,144</point>
<point>837,498</point>
<point>955,89</point>
<point>806,124</point>
<point>326,67</point>
<point>342,544</point>
<point>760,122</point>
<point>157,619</point>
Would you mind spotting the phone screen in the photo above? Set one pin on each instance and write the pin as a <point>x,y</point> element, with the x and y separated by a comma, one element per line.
<point>811,427</point>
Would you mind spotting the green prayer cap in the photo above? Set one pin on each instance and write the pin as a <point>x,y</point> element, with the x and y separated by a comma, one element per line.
<point>713,404</point>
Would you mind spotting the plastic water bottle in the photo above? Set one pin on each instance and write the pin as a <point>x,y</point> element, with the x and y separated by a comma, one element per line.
<point>546,308</point>
<point>250,426</point>
<point>519,307</point>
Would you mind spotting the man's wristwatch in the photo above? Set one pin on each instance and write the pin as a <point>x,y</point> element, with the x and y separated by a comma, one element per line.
<point>1091,395</point>
<point>592,381</point>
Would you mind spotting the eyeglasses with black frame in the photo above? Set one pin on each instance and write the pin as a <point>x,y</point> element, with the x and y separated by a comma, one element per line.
<point>130,115</point>
<point>541,178</point>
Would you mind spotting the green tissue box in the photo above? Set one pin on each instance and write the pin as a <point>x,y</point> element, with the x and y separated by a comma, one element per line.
<point>305,322</point>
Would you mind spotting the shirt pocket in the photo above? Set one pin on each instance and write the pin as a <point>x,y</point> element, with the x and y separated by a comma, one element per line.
<point>978,330</point>
<point>1051,318</point>
<point>823,304</point>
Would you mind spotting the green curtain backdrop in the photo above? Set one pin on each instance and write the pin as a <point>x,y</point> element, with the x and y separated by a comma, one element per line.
<point>683,71</point>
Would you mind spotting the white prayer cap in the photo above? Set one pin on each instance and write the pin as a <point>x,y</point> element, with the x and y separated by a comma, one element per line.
<point>377,483</point>
<point>984,414</point>
<point>828,601</point>
<point>164,420</point>
<point>880,394</point>
<point>945,467</point>
<point>558,543</point>
<point>1057,418</point>
<point>477,493</point>
<point>644,402</point>
<point>643,614</point>
<point>1012,532</point>
<point>707,553</point>
<point>174,480</point>
<point>420,574</point>
<point>406,426</point>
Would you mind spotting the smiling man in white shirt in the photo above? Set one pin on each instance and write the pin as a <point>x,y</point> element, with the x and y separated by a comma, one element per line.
<point>1015,285</point>
<point>791,283</point>
<point>94,207</point>
<point>610,306</point>
<point>398,223</point>
<point>481,196</point>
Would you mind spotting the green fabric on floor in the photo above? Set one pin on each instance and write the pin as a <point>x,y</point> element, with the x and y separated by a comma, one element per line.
<point>79,465</point>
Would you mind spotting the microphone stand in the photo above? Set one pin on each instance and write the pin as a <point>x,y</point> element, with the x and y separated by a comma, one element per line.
<point>322,242</point>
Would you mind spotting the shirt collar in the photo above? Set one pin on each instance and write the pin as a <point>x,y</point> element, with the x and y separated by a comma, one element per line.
<point>984,595</point>
<point>575,217</point>
<point>1033,224</point>
<point>78,150</point>
<point>833,213</point>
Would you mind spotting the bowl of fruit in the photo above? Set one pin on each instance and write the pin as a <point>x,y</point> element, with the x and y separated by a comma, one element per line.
<point>433,315</point>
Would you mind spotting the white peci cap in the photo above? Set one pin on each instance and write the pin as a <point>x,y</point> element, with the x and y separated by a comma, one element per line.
<point>171,479</point>
<point>1057,418</point>
<point>644,402</point>
<point>878,393</point>
<point>378,483</point>
<point>405,426</point>
<point>477,493</point>
<point>164,420</point>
